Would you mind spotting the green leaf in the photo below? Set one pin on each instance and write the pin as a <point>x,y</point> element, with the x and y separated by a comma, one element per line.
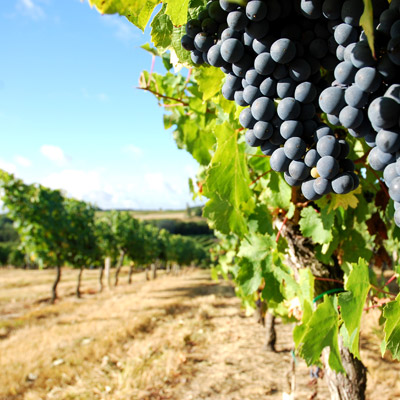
<point>228,180</point>
<point>306,286</point>
<point>182,54</point>
<point>136,11</point>
<point>392,328</point>
<point>223,217</point>
<point>260,220</point>
<point>150,49</point>
<point>198,141</point>
<point>161,30</point>
<point>178,10</point>
<point>354,246</point>
<point>256,247</point>
<point>316,225</point>
<point>278,193</point>
<point>352,304</point>
<point>249,277</point>
<point>209,80</point>
<point>367,22</point>
<point>321,332</point>
<point>306,295</point>
<point>300,330</point>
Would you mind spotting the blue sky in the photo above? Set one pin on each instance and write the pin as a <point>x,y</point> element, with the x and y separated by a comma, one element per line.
<point>70,114</point>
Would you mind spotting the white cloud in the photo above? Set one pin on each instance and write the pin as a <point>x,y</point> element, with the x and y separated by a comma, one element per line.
<point>8,167</point>
<point>23,161</point>
<point>150,191</point>
<point>76,183</point>
<point>132,150</point>
<point>99,96</point>
<point>102,97</point>
<point>123,29</point>
<point>30,9</point>
<point>55,154</point>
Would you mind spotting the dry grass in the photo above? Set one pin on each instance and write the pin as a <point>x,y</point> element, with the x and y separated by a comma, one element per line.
<point>178,337</point>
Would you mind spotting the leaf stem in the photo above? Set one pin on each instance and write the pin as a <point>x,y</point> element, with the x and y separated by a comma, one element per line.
<point>391,279</point>
<point>280,229</point>
<point>163,96</point>
<point>383,186</point>
<point>260,176</point>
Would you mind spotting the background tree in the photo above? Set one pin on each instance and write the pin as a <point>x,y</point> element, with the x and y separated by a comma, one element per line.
<point>124,230</point>
<point>108,246</point>
<point>40,219</point>
<point>83,250</point>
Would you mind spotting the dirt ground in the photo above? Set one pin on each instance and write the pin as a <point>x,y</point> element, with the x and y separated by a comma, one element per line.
<point>174,338</point>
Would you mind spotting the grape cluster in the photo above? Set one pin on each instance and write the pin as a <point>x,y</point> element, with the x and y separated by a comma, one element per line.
<point>363,97</point>
<point>286,62</point>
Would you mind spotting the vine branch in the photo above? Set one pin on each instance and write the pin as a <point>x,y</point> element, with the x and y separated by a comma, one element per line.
<point>180,101</point>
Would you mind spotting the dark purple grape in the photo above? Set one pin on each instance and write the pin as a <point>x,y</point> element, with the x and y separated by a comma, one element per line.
<point>343,183</point>
<point>327,167</point>
<point>278,161</point>
<point>256,10</point>
<point>263,130</point>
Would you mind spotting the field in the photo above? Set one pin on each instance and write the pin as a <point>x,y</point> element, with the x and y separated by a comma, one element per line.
<point>174,338</point>
<point>180,215</point>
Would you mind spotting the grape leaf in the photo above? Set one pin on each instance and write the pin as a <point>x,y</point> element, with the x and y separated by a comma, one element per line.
<point>367,22</point>
<point>256,247</point>
<point>322,331</point>
<point>136,11</point>
<point>354,246</point>
<point>177,10</point>
<point>260,220</point>
<point>306,286</point>
<point>278,193</point>
<point>228,180</point>
<point>150,49</point>
<point>305,295</point>
<point>352,304</point>
<point>392,328</point>
<point>316,225</point>
<point>224,217</point>
<point>209,81</point>
<point>198,140</point>
<point>161,30</point>
<point>345,200</point>
<point>182,54</point>
<point>249,277</point>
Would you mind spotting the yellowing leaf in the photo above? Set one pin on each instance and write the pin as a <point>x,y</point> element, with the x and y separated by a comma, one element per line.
<point>345,200</point>
<point>177,10</point>
<point>367,22</point>
<point>136,11</point>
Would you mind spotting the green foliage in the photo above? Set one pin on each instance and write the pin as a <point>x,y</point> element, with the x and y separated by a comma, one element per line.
<point>317,225</point>
<point>391,341</point>
<point>136,11</point>
<point>322,331</point>
<point>227,183</point>
<point>39,217</point>
<point>352,304</point>
<point>55,230</point>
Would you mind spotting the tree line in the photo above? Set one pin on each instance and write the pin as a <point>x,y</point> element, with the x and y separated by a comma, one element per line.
<point>57,231</point>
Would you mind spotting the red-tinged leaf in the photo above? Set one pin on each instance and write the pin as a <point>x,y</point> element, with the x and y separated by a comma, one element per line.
<point>377,227</point>
<point>382,199</point>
